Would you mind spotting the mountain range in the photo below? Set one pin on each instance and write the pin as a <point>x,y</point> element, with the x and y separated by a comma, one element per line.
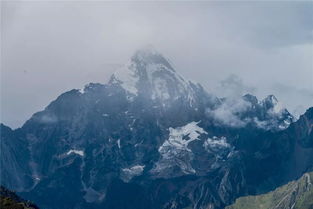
<point>150,138</point>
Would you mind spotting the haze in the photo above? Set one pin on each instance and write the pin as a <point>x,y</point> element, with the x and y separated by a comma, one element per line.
<point>231,48</point>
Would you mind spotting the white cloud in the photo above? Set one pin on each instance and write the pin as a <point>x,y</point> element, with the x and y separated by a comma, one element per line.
<point>228,113</point>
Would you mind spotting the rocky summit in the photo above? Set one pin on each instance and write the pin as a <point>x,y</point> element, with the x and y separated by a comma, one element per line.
<point>149,138</point>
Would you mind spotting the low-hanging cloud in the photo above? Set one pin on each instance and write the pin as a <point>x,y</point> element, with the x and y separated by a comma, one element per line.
<point>228,113</point>
<point>238,112</point>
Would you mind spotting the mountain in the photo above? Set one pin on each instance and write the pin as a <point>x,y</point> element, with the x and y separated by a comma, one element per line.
<point>149,138</point>
<point>14,167</point>
<point>9,200</point>
<point>296,194</point>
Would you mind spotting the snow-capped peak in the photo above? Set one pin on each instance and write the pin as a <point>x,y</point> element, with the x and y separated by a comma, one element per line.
<point>151,75</point>
<point>127,77</point>
<point>149,55</point>
<point>271,103</point>
<point>271,98</point>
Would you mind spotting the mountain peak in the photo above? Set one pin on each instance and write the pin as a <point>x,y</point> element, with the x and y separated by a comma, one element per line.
<point>271,99</point>
<point>250,98</point>
<point>150,56</point>
<point>147,50</point>
<point>271,102</point>
<point>150,75</point>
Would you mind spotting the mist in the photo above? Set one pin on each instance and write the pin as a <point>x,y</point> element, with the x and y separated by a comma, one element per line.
<point>231,48</point>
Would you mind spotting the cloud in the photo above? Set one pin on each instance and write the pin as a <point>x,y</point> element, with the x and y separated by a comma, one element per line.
<point>228,113</point>
<point>296,99</point>
<point>237,112</point>
<point>233,86</point>
<point>51,47</point>
<point>272,24</point>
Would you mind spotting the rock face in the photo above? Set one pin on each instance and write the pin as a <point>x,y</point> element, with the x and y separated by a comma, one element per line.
<point>151,139</point>
<point>15,159</point>
<point>296,194</point>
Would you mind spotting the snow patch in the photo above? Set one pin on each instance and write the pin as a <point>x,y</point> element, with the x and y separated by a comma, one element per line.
<point>129,173</point>
<point>82,90</point>
<point>220,149</point>
<point>77,152</point>
<point>216,142</point>
<point>175,152</point>
<point>191,131</point>
<point>119,143</point>
<point>128,78</point>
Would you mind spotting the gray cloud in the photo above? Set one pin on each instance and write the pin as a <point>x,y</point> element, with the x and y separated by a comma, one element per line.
<point>52,47</point>
<point>229,112</point>
<point>297,99</point>
<point>233,86</point>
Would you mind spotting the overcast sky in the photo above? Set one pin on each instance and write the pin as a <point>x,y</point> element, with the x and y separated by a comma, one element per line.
<point>231,48</point>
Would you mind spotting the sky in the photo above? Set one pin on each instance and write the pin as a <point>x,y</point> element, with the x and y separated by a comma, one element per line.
<point>231,48</point>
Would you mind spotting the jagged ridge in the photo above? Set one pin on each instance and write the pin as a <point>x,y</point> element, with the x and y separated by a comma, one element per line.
<point>167,140</point>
